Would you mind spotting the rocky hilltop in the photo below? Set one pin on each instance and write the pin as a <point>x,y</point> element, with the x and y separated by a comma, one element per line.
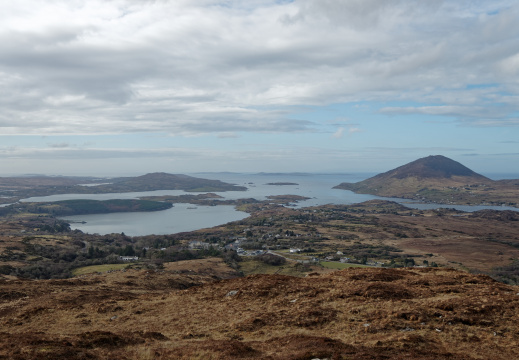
<point>438,179</point>
<point>349,314</point>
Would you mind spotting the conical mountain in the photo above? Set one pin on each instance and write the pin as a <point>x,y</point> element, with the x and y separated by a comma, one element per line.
<point>435,172</point>
<point>433,167</point>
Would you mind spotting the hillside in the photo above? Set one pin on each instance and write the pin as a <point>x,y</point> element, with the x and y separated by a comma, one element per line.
<point>441,180</point>
<point>36,245</point>
<point>85,206</point>
<point>164,181</point>
<point>13,189</point>
<point>350,314</point>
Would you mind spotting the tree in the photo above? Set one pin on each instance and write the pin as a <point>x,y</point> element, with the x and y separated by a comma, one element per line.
<point>409,262</point>
<point>129,251</point>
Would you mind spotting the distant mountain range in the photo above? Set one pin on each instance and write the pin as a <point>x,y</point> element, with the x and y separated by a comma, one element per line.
<point>438,179</point>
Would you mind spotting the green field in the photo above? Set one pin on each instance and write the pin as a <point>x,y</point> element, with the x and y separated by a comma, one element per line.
<point>293,256</point>
<point>98,268</point>
<point>338,265</point>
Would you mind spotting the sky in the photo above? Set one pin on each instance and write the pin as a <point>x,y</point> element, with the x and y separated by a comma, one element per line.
<point>120,87</point>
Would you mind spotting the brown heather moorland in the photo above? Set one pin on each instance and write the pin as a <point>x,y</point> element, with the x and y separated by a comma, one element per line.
<point>177,313</point>
<point>164,308</point>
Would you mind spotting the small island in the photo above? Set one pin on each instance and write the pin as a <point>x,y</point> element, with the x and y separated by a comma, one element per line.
<point>211,199</point>
<point>286,199</point>
<point>84,207</point>
<point>281,183</point>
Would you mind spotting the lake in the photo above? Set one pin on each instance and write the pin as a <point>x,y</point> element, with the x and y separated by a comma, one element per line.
<point>180,218</point>
<point>186,217</point>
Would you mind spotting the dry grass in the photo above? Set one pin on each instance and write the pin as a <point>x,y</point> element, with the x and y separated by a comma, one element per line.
<point>215,267</point>
<point>98,269</point>
<point>350,314</point>
<point>250,266</point>
<point>458,239</point>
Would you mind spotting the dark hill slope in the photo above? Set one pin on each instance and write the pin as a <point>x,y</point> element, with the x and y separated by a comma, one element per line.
<point>164,181</point>
<point>433,167</point>
<point>433,178</point>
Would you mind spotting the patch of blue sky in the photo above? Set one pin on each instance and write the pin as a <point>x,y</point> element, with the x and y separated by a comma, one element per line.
<point>493,12</point>
<point>374,128</point>
<point>504,92</point>
<point>482,86</point>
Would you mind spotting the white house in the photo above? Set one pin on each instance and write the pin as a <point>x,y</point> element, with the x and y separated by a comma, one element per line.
<point>128,258</point>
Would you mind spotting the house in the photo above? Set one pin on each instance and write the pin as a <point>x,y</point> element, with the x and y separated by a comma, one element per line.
<point>232,246</point>
<point>128,258</point>
<point>198,245</point>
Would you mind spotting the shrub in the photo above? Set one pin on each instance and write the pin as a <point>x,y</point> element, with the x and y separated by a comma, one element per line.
<point>271,259</point>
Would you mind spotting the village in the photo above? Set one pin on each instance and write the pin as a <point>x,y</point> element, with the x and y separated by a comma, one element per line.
<point>299,255</point>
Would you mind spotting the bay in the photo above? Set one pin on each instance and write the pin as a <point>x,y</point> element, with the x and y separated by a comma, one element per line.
<point>317,187</point>
<point>180,218</point>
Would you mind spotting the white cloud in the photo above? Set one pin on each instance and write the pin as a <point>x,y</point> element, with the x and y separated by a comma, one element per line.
<point>61,145</point>
<point>228,135</point>
<point>194,67</point>
<point>510,65</point>
<point>339,133</point>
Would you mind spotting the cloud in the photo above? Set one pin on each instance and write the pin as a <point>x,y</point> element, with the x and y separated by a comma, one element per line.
<point>59,145</point>
<point>341,130</point>
<point>65,152</point>
<point>199,67</point>
<point>490,122</point>
<point>339,133</point>
<point>409,150</point>
<point>228,135</point>
<point>477,116</point>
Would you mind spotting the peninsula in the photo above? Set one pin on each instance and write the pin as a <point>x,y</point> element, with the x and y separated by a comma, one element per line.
<point>438,179</point>
<point>13,189</point>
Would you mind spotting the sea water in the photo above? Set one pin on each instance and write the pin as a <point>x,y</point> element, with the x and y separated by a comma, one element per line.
<point>185,217</point>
